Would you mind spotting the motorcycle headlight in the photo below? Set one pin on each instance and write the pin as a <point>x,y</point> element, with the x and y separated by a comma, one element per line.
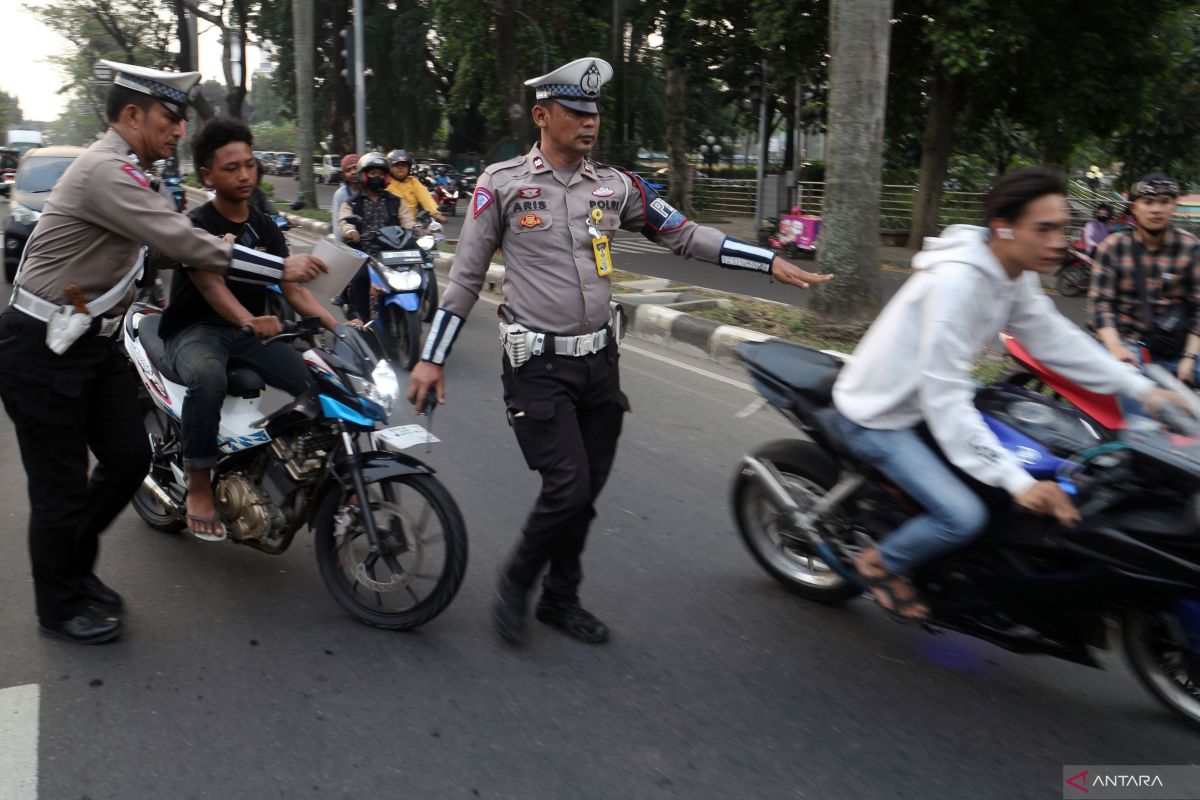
<point>425,243</point>
<point>23,215</point>
<point>382,389</point>
<point>404,281</point>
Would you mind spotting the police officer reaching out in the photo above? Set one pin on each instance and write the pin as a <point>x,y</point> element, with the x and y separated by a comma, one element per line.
<point>553,213</point>
<point>64,377</point>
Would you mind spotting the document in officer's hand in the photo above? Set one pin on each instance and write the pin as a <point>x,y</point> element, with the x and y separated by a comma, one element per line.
<point>343,262</point>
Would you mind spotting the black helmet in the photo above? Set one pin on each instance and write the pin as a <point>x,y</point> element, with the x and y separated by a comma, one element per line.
<point>400,157</point>
<point>373,161</point>
<point>1103,207</point>
<point>1156,184</point>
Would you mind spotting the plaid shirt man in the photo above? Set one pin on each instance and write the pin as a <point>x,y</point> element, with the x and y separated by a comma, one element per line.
<point>1172,275</point>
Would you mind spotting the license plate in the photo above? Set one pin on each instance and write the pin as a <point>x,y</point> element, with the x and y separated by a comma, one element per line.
<point>403,437</point>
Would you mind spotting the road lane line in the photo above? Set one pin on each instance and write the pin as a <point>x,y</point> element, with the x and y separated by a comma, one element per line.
<point>19,742</point>
<point>626,347</point>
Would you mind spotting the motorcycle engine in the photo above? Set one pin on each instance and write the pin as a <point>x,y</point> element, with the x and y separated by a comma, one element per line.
<point>247,508</point>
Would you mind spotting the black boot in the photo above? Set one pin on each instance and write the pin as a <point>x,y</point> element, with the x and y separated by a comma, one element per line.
<point>567,615</point>
<point>100,595</point>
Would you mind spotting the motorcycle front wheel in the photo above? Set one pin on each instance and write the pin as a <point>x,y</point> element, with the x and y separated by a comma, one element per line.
<point>1073,280</point>
<point>402,335</point>
<point>424,553</point>
<point>1165,665</point>
<point>429,300</point>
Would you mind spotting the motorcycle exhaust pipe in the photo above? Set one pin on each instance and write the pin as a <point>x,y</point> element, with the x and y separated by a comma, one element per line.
<point>770,481</point>
<point>159,493</point>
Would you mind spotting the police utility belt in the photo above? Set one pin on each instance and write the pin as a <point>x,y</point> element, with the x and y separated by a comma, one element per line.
<point>522,344</point>
<point>67,323</point>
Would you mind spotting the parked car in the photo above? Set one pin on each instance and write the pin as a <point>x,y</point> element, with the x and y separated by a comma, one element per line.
<point>327,168</point>
<point>284,164</point>
<point>267,159</point>
<point>37,173</point>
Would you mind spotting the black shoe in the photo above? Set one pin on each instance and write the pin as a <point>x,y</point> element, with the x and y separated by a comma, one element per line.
<point>571,618</point>
<point>509,611</point>
<point>101,596</point>
<point>90,627</point>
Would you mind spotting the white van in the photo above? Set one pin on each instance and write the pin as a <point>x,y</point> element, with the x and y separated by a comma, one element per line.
<point>327,168</point>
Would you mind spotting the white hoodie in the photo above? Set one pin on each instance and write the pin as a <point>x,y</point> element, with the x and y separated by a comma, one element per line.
<point>915,362</point>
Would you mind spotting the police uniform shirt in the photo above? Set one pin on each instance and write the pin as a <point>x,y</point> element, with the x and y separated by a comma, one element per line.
<point>540,224</point>
<point>98,216</point>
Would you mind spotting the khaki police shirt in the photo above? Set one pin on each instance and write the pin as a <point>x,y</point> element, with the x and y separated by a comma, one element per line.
<point>95,222</point>
<point>540,225</point>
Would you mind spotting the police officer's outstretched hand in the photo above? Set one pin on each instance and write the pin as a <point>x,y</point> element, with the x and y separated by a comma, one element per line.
<point>302,268</point>
<point>787,272</point>
<point>426,377</point>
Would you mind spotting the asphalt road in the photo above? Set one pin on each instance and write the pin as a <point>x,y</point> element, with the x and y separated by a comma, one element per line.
<point>240,678</point>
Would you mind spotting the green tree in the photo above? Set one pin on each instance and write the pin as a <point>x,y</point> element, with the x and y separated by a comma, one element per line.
<point>10,111</point>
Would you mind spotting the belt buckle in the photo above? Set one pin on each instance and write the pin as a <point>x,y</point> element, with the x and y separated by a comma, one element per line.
<point>109,327</point>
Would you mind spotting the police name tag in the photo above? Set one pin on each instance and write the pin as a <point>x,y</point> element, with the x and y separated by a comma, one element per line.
<point>402,437</point>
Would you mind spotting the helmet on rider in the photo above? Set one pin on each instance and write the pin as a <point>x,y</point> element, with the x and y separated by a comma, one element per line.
<point>374,162</point>
<point>1103,212</point>
<point>400,156</point>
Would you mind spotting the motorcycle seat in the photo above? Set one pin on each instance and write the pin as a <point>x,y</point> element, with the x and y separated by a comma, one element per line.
<point>240,381</point>
<point>806,372</point>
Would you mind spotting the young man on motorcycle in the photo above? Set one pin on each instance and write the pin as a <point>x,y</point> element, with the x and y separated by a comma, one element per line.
<point>202,326</point>
<point>375,209</point>
<point>348,190</point>
<point>408,187</point>
<point>912,371</point>
<point>1146,279</point>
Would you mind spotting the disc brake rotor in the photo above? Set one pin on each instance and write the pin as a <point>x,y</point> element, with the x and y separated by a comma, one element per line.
<point>396,521</point>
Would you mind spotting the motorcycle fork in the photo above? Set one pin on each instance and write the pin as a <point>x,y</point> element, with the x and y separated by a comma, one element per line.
<point>360,489</point>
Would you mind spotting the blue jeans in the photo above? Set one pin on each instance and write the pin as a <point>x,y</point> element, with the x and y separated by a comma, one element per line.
<point>956,515</point>
<point>200,354</point>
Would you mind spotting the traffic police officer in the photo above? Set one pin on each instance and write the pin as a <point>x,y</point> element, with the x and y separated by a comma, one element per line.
<point>553,213</point>
<point>64,378</point>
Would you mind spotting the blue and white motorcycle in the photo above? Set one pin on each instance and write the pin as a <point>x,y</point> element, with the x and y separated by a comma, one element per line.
<point>391,543</point>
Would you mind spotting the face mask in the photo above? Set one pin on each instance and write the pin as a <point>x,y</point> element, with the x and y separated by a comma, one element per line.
<point>376,183</point>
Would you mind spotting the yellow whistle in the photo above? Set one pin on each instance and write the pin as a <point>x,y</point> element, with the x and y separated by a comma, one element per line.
<point>597,215</point>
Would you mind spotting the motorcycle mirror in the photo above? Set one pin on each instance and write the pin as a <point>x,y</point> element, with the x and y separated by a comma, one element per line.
<point>297,205</point>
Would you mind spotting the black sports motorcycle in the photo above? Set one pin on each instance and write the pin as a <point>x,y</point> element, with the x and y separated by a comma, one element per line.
<point>805,509</point>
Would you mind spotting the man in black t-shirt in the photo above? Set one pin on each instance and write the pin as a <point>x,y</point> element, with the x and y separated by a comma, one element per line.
<point>202,326</point>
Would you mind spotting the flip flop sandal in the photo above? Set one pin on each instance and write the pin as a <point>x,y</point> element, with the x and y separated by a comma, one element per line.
<point>898,603</point>
<point>213,519</point>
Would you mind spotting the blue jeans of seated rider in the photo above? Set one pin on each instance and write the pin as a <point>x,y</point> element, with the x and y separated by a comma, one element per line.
<point>955,514</point>
<point>200,354</point>
<point>1130,406</point>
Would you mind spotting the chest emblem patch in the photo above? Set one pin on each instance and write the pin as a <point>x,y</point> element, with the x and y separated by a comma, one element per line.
<point>530,192</point>
<point>530,221</point>
<point>604,191</point>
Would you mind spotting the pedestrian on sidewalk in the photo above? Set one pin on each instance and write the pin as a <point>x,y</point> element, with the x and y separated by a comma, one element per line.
<point>65,381</point>
<point>553,213</point>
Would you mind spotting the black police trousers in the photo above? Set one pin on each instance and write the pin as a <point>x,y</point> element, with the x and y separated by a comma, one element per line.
<point>62,406</point>
<point>567,414</point>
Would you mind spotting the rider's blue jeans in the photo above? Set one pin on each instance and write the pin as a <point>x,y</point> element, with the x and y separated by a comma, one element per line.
<point>955,514</point>
<point>200,354</point>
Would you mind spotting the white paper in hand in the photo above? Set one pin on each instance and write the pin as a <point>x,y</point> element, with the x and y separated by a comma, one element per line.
<point>343,263</point>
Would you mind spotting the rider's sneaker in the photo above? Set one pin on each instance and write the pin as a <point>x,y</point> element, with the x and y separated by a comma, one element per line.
<point>568,616</point>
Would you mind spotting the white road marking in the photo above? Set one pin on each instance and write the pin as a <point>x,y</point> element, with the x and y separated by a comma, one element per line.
<point>629,348</point>
<point>19,742</point>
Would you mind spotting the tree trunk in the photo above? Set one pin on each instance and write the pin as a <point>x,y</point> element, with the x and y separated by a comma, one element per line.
<point>945,101</point>
<point>302,34</point>
<point>342,124</point>
<point>860,38</point>
<point>504,32</point>
<point>675,45</point>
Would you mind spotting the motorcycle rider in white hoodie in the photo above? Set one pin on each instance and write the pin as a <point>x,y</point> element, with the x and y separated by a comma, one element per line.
<point>914,365</point>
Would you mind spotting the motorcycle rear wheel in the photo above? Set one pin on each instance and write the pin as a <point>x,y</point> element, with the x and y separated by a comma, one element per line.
<point>1162,663</point>
<point>808,473</point>
<point>1073,280</point>
<point>431,536</point>
<point>429,300</point>
<point>147,506</point>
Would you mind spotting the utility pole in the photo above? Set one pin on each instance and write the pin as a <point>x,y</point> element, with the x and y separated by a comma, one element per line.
<point>360,83</point>
<point>763,147</point>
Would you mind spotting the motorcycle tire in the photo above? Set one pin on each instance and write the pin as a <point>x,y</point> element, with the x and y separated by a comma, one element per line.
<point>147,506</point>
<point>1073,280</point>
<point>353,596</point>
<point>809,473</point>
<point>402,335</point>
<point>1172,677</point>
<point>429,301</point>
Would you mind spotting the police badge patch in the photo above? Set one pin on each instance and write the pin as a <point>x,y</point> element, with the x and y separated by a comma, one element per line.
<point>530,192</point>
<point>604,191</point>
<point>136,174</point>
<point>481,200</point>
<point>591,81</point>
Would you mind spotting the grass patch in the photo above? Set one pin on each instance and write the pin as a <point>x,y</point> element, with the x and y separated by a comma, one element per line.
<point>319,214</point>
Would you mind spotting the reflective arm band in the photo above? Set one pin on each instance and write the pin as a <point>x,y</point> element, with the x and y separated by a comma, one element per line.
<point>442,333</point>
<point>736,254</point>
<point>253,266</point>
